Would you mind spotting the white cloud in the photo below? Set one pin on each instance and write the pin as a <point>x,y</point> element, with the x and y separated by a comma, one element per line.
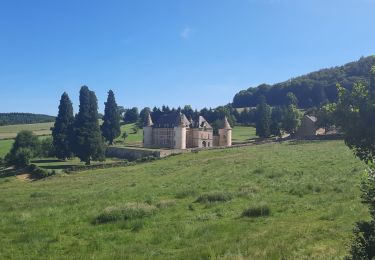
<point>185,33</point>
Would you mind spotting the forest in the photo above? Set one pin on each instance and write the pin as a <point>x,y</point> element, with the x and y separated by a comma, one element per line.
<point>24,118</point>
<point>311,90</point>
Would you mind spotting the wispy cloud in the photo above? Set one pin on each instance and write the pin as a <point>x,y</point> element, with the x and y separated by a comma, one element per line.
<point>185,33</point>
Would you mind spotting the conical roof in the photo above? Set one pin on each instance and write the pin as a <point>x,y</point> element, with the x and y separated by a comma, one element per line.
<point>226,124</point>
<point>149,120</point>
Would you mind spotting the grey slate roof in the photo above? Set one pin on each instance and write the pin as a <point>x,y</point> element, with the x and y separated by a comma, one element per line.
<point>171,120</point>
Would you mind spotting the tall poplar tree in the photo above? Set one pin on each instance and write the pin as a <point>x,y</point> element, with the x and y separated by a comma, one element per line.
<point>62,127</point>
<point>263,121</point>
<point>88,140</point>
<point>111,125</point>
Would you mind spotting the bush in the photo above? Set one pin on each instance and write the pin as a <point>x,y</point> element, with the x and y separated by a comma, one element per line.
<point>217,196</point>
<point>129,211</point>
<point>261,210</point>
<point>20,158</point>
<point>25,146</point>
<point>363,245</point>
<point>39,173</point>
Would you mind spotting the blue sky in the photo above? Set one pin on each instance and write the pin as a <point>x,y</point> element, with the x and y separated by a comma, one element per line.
<point>173,52</point>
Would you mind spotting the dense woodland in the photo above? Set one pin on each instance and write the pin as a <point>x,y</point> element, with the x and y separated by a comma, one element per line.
<point>24,118</point>
<point>311,90</point>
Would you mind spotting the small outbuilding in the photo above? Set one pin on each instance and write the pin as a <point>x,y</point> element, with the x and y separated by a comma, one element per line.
<point>309,127</point>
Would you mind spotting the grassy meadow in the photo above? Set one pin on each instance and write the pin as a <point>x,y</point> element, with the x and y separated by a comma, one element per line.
<point>243,133</point>
<point>10,131</point>
<point>5,146</point>
<point>272,201</point>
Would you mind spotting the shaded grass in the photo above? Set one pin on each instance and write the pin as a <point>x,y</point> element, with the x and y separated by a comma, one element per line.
<point>259,210</point>
<point>53,217</point>
<point>216,196</point>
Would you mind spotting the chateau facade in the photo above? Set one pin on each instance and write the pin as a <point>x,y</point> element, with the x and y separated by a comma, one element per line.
<point>175,131</point>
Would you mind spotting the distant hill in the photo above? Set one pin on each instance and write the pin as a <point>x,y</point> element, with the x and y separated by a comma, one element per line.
<point>24,118</point>
<point>312,89</point>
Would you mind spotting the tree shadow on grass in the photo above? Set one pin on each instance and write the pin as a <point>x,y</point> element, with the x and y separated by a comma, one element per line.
<point>57,167</point>
<point>47,161</point>
<point>4,173</point>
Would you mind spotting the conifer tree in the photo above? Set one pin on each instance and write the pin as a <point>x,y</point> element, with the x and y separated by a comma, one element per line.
<point>263,121</point>
<point>111,125</point>
<point>62,127</point>
<point>88,141</point>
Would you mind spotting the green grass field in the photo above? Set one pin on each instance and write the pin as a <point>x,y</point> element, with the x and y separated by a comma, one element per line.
<point>243,134</point>
<point>5,146</point>
<point>55,164</point>
<point>10,131</point>
<point>133,138</point>
<point>310,188</point>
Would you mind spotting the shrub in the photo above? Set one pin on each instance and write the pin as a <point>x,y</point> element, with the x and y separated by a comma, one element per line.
<point>261,210</point>
<point>129,211</point>
<point>217,196</point>
<point>25,146</point>
<point>363,244</point>
<point>39,173</point>
<point>20,158</point>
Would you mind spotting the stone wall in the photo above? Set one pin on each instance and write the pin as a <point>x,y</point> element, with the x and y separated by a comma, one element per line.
<point>131,153</point>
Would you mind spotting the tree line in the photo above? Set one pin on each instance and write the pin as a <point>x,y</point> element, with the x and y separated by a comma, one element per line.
<point>78,135</point>
<point>312,90</point>
<point>24,118</point>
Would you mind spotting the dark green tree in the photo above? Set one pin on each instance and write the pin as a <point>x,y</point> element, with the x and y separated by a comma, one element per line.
<point>131,116</point>
<point>111,119</point>
<point>143,117</point>
<point>87,137</point>
<point>277,117</point>
<point>355,114</point>
<point>25,146</point>
<point>263,121</point>
<point>62,128</point>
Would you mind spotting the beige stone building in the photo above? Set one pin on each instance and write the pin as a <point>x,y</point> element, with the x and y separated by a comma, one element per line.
<point>309,127</point>
<point>175,131</point>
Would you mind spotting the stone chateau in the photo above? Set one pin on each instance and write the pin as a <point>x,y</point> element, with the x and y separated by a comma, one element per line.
<point>175,131</point>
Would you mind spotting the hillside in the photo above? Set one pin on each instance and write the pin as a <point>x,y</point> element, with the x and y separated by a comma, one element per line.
<point>311,89</point>
<point>194,205</point>
<point>24,118</point>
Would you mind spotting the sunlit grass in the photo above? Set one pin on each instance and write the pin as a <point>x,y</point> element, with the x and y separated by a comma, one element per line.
<point>308,195</point>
